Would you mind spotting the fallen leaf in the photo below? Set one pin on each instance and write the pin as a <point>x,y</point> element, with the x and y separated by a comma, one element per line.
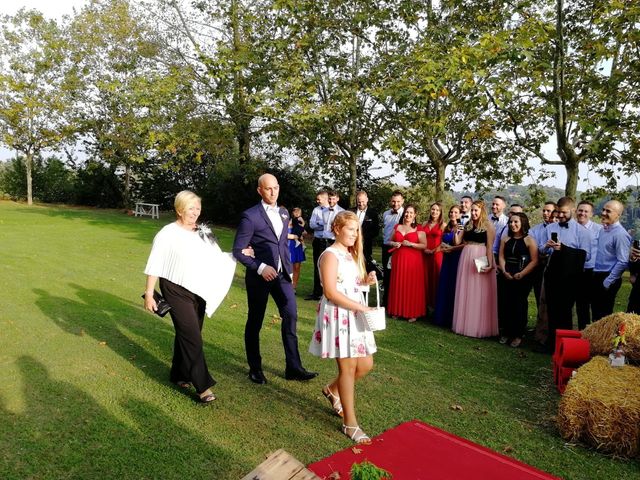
<point>102,343</point>
<point>235,305</point>
<point>507,449</point>
<point>457,408</point>
<point>334,476</point>
<point>356,450</point>
<point>440,345</point>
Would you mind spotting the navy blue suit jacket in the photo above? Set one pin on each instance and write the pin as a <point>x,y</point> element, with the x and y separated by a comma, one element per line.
<point>255,229</point>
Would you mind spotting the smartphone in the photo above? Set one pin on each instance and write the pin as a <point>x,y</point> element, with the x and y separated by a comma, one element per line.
<point>636,244</point>
<point>554,237</point>
<point>459,221</point>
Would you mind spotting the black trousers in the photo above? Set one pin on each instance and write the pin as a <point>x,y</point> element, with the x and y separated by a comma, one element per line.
<point>281,290</point>
<point>583,300</point>
<point>603,299</point>
<point>319,245</point>
<point>187,313</point>
<point>634,298</point>
<point>514,296</point>
<point>386,273</point>
<point>560,292</point>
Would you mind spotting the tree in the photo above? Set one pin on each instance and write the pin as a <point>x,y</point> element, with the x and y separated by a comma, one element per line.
<point>32,87</point>
<point>441,117</point>
<point>323,109</point>
<point>131,98</point>
<point>570,73</point>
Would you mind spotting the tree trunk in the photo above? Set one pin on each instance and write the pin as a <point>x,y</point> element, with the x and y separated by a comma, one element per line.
<point>240,113</point>
<point>28,163</point>
<point>572,168</point>
<point>441,168</point>
<point>353,180</point>
<point>127,186</point>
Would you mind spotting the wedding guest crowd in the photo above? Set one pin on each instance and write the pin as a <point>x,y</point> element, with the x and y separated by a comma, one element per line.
<point>479,268</point>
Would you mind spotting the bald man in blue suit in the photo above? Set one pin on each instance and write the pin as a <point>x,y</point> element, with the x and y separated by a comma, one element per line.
<point>264,227</point>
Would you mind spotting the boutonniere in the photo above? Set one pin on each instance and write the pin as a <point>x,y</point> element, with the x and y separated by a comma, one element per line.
<point>284,216</point>
<point>205,233</point>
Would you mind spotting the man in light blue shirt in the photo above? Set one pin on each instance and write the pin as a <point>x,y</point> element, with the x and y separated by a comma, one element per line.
<point>584,213</point>
<point>320,243</point>
<point>612,259</point>
<point>538,232</point>
<point>499,220</point>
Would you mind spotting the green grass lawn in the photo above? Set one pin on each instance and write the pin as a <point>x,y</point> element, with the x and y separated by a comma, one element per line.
<point>84,372</point>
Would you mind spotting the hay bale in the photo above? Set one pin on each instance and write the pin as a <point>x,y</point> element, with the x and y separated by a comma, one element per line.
<point>601,407</point>
<point>600,334</point>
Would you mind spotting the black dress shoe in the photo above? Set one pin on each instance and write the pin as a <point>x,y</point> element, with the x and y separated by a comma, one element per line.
<point>257,377</point>
<point>301,375</point>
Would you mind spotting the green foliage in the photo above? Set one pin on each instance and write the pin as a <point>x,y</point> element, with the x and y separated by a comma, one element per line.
<point>569,68</point>
<point>368,471</point>
<point>32,87</point>
<point>53,182</point>
<point>99,185</point>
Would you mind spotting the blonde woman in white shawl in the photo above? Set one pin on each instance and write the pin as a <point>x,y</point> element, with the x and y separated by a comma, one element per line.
<point>195,276</point>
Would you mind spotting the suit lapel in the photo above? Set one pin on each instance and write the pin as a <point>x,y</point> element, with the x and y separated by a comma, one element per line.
<point>264,215</point>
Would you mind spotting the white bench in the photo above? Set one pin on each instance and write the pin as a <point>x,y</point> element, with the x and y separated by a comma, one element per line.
<point>150,209</point>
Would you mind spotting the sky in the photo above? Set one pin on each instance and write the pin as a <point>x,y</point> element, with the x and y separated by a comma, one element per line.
<point>58,8</point>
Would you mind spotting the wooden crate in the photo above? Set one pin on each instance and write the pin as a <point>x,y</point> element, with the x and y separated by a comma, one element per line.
<point>280,465</point>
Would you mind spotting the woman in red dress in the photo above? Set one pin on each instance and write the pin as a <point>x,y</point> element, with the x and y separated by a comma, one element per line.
<point>406,296</point>
<point>433,229</point>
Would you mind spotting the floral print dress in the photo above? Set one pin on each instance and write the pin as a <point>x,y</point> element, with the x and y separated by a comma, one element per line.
<point>338,333</point>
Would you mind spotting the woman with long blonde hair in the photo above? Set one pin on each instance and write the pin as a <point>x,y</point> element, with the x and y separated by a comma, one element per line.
<point>339,332</point>
<point>475,313</point>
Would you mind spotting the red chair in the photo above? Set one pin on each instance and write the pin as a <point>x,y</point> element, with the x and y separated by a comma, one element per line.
<point>571,352</point>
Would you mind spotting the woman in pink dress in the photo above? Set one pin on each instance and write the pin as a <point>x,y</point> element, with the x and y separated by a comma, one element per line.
<point>475,313</point>
<point>433,229</point>
<point>406,296</point>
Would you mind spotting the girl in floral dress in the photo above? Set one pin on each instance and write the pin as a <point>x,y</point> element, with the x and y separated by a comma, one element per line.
<point>339,333</point>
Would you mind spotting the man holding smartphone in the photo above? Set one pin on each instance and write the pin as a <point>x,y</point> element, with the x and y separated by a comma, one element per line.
<point>611,261</point>
<point>568,246</point>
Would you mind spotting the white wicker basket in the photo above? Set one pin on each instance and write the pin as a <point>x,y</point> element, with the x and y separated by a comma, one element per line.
<point>374,319</point>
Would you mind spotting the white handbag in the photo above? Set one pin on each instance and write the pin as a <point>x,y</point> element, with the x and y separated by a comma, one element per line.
<point>374,319</point>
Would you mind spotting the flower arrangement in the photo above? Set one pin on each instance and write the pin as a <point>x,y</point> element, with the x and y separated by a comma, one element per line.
<point>617,357</point>
<point>619,340</point>
<point>206,233</point>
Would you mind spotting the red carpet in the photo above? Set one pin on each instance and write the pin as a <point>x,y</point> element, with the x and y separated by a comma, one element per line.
<point>415,450</point>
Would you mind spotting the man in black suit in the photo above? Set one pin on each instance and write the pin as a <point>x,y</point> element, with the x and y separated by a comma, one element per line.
<point>370,225</point>
<point>264,227</point>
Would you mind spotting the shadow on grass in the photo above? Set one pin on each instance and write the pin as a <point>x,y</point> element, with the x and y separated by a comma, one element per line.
<point>126,329</point>
<point>134,334</point>
<point>146,342</point>
<point>63,429</point>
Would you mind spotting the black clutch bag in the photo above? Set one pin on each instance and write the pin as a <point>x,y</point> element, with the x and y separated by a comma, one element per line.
<point>161,303</point>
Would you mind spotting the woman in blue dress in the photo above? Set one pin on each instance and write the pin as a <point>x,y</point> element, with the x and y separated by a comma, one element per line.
<point>445,296</point>
<point>296,243</point>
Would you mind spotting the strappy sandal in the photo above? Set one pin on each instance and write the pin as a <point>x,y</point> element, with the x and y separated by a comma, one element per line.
<point>334,400</point>
<point>357,435</point>
<point>208,398</point>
